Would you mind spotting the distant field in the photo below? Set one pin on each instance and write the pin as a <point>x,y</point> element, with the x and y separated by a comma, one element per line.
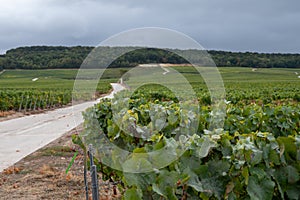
<point>232,74</point>
<point>241,84</point>
<point>33,89</point>
<point>64,78</point>
<point>237,74</point>
<point>48,79</point>
<point>42,89</point>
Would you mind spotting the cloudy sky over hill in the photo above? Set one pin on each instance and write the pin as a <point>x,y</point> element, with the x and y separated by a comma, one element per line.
<point>235,25</point>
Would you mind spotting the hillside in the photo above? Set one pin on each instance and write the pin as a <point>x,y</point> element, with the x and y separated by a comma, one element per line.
<point>50,57</point>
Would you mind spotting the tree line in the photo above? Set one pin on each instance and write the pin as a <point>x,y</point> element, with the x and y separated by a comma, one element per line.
<point>50,57</point>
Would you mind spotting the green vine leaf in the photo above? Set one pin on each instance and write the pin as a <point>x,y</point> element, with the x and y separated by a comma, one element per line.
<point>260,189</point>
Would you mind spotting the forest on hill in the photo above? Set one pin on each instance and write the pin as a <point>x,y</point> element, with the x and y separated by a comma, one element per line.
<point>51,57</point>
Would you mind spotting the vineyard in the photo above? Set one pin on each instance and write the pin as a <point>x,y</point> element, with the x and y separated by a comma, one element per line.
<point>255,155</point>
<point>34,90</point>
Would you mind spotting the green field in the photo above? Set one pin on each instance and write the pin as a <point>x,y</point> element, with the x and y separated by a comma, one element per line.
<point>64,78</point>
<point>42,89</point>
<point>54,87</point>
<point>16,79</point>
<point>241,84</point>
<point>47,79</point>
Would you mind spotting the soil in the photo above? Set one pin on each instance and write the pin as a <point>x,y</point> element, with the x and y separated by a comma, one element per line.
<point>42,175</point>
<point>6,115</point>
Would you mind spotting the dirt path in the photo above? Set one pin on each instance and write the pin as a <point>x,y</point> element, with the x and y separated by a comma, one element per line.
<point>165,69</point>
<point>2,71</point>
<point>22,136</point>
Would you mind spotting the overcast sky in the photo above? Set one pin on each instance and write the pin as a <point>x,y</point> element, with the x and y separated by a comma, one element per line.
<point>235,25</point>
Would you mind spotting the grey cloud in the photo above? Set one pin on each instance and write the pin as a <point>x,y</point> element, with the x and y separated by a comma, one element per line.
<point>250,25</point>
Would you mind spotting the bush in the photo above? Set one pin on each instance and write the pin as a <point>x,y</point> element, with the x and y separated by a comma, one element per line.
<point>215,164</point>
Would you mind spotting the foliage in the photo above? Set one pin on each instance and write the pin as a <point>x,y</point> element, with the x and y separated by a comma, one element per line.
<point>243,162</point>
<point>44,57</point>
<point>255,60</point>
<point>33,99</point>
<point>51,88</point>
<point>49,57</point>
<point>246,86</point>
<point>279,120</point>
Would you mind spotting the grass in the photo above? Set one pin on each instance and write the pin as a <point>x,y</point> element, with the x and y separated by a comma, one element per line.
<point>56,151</point>
<point>244,74</point>
<point>27,90</point>
<point>259,82</point>
<point>52,79</point>
<point>245,77</point>
<point>64,78</point>
<point>240,83</point>
<point>47,79</point>
<point>260,75</point>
